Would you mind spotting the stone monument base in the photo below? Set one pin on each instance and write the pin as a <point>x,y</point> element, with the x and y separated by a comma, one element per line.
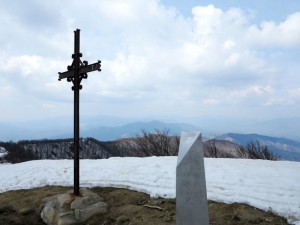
<point>68,209</point>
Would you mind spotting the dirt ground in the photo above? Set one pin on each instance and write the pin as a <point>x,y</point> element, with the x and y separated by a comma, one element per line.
<point>126,208</point>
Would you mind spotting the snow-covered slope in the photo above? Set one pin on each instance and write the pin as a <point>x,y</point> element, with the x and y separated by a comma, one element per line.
<point>268,185</point>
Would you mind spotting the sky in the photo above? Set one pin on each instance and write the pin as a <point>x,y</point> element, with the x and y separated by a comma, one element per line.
<point>160,58</point>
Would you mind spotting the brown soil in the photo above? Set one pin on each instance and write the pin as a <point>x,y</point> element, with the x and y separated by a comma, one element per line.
<point>126,208</point>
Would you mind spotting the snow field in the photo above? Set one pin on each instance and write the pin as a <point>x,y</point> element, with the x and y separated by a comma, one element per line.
<point>268,185</point>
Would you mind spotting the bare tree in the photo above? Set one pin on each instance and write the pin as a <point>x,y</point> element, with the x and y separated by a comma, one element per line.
<point>126,147</point>
<point>16,153</point>
<point>216,149</point>
<point>175,142</point>
<point>211,149</point>
<point>254,150</point>
<point>158,143</point>
<point>242,152</point>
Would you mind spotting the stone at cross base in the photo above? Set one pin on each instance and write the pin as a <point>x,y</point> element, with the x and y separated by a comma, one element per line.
<point>191,196</point>
<point>68,209</point>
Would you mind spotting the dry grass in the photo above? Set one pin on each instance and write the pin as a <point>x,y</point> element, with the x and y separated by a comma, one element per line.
<point>126,208</point>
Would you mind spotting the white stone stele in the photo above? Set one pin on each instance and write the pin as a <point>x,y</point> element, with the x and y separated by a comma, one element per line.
<point>191,196</point>
<point>68,209</point>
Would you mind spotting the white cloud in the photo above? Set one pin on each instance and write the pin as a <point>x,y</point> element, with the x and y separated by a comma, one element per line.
<point>48,106</point>
<point>269,33</point>
<point>251,95</point>
<point>206,19</point>
<point>276,102</point>
<point>295,92</point>
<point>228,44</point>
<point>233,59</point>
<point>211,101</point>
<point>252,90</point>
<point>7,92</point>
<point>294,95</point>
<point>25,64</point>
<point>151,54</point>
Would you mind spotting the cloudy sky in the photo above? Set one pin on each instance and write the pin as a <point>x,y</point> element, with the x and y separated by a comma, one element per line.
<point>160,58</point>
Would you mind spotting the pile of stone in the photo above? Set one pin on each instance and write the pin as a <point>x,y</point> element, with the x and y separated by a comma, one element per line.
<point>68,209</point>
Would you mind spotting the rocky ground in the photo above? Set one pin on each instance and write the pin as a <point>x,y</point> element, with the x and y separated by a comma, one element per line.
<point>126,208</point>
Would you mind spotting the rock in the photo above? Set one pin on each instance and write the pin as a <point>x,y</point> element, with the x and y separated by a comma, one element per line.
<point>83,214</point>
<point>25,211</point>
<point>65,200</point>
<point>50,213</point>
<point>67,209</point>
<point>67,220</point>
<point>84,201</point>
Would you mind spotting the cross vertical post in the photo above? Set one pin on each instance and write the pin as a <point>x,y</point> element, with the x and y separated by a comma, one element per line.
<point>76,111</point>
<point>75,73</point>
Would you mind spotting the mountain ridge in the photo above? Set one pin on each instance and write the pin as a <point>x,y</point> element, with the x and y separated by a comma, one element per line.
<point>62,127</point>
<point>135,129</point>
<point>284,147</point>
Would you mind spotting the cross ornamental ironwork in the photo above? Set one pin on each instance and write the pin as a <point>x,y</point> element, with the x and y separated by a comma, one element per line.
<point>75,73</point>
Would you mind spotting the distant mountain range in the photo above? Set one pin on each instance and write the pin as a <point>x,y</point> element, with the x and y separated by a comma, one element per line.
<point>281,127</point>
<point>135,129</point>
<point>106,128</point>
<point>62,127</point>
<point>283,147</point>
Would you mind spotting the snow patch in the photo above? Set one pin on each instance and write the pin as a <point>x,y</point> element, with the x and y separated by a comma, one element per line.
<point>3,152</point>
<point>263,184</point>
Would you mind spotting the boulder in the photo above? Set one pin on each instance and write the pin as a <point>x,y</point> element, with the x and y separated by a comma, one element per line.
<point>68,209</point>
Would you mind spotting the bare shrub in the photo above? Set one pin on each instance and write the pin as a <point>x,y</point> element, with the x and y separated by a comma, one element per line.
<point>158,143</point>
<point>217,149</point>
<point>254,150</point>
<point>16,153</point>
<point>211,149</point>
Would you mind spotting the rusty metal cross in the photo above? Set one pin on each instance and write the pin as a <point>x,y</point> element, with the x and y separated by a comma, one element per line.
<point>75,73</point>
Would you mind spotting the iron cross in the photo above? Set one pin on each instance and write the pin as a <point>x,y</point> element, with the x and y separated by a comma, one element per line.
<point>75,73</point>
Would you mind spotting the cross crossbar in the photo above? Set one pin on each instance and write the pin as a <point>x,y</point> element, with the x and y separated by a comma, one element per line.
<point>82,70</point>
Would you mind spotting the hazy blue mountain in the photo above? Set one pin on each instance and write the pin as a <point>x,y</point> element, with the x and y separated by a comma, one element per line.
<point>105,127</point>
<point>62,127</point>
<point>105,133</point>
<point>285,148</point>
<point>279,127</point>
<point>283,127</point>
<point>53,128</point>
